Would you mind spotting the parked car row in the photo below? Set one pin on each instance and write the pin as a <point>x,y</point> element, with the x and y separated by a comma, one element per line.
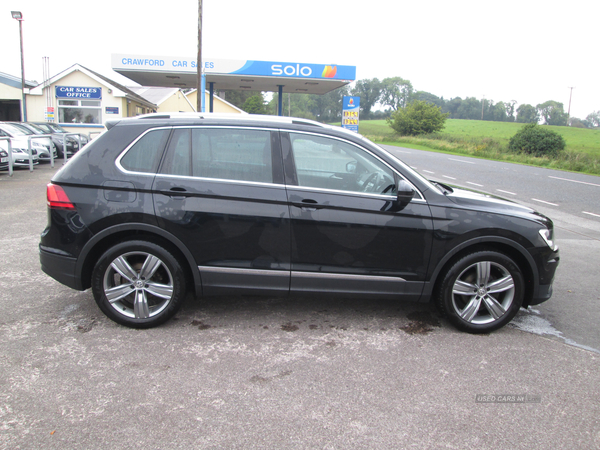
<point>41,148</point>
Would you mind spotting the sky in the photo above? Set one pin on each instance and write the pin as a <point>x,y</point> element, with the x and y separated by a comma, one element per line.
<point>526,50</point>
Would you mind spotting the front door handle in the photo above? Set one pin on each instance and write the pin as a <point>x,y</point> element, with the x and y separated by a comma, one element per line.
<point>308,204</point>
<point>176,193</point>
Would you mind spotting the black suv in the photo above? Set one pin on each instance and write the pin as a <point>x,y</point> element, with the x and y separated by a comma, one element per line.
<point>229,204</point>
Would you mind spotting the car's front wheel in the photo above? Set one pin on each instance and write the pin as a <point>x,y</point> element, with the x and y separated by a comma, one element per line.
<point>138,284</point>
<point>481,291</point>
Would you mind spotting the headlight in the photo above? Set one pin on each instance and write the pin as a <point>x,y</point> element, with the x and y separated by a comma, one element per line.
<point>548,237</point>
<point>18,150</point>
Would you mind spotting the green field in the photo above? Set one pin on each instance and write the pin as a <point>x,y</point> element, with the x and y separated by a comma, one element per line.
<point>577,139</point>
<point>485,139</point>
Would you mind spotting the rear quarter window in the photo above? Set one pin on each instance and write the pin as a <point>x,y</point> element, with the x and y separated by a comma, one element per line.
<point>144,155</point>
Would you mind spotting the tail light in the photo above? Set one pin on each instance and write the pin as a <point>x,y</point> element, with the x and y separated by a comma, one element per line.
<point>57,198</point>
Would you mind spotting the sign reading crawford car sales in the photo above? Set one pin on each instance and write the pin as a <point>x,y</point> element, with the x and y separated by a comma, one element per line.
<point>78,92</point>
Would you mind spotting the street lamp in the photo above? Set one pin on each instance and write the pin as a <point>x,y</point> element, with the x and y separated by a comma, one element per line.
<point>18,16</point>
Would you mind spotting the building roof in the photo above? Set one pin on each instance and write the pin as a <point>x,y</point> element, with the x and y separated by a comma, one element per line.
<point>118,89</point>
<point>15,82</point>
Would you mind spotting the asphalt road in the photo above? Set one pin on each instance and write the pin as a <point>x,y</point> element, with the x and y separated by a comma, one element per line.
<point>258,373</point>
<point>572,201</point>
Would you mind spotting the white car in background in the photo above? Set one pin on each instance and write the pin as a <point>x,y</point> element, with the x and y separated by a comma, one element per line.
<point>19,143</point>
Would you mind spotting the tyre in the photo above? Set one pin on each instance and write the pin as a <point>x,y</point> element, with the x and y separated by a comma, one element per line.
<point>481,292</point>
<point>138,284</point>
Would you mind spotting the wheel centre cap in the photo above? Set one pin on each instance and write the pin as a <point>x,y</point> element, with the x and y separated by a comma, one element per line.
<point>481,292</point>
<point>139,284</point>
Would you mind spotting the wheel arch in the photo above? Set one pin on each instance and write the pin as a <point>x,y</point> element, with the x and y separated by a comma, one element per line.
<point>101,241</point>
<point>497,243</point>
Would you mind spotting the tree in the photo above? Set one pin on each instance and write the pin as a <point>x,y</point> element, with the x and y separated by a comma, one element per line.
<point>452,106</point>
<point>237,98</point>
<point>470,108</point>
<point>328,107</point>
<point>527,114</point>
<point>553,113</point>
<point>593,119</point>
<point>537,141</point>
<point>396,92</point>
<point>510,110</point>
<point>369,92</point>
<point>418,117</point>
<point>255,104</point>
<point>429,98</point>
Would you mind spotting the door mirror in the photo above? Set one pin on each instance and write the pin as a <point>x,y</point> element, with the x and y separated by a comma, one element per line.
<point>405,191</point>
<point>351,167</point>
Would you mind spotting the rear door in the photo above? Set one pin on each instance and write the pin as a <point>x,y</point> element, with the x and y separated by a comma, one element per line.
<point>220,191</point>
<point>349,233</point>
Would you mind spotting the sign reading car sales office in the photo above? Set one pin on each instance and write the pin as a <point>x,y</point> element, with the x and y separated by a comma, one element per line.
<point>78,92</point>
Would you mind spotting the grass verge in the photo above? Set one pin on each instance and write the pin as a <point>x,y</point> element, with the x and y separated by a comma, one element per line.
<point>584,158</point>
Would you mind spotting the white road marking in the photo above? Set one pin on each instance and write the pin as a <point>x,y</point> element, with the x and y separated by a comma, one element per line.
<point>475,184</point>
<point>542,201</point>
<point>460,160</point>
<point>574,181</point>
<point>506,192</point>
<point>591,214</point>
<point>450,178</point>
<point>428,171</point>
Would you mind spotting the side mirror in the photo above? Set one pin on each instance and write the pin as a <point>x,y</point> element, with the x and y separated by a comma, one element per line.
<point>405,192</point>
<point>351,167</point>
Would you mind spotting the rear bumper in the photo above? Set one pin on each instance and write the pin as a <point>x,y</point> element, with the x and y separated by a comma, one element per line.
<point>60,267</point>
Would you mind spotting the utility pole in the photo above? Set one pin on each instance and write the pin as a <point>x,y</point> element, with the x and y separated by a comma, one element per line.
<point>200,95</point>
<point>18,16</point>
<point>482,105</point>
<point>570,96</point>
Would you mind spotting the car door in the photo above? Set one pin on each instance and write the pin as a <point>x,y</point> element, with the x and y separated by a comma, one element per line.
<point>349,231</point>
<point>220,191</point>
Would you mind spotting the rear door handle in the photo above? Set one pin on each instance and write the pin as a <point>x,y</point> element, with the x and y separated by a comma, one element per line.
<point>176,193</point>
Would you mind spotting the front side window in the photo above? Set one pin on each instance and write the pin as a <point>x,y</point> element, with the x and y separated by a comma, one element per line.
<point>220,153</point>
<point>327,163</point>
<point>79,111</point>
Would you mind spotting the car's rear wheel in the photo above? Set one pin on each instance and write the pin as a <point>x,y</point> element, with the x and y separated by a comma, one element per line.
<point>481,292</point>
<point>138,284</point>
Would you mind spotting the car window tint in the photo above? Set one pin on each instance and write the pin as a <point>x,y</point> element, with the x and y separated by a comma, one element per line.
<point>230,154</point>
<point>333,164</point>
<point>145,154</point>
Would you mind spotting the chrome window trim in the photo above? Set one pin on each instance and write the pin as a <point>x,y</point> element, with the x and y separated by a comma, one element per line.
<point>394,170</point>
<point>222,180</point>
<point>203,127</point>
<point>351,193</point>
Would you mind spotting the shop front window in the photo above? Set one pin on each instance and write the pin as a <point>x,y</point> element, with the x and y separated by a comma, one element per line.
<point>79,111</point>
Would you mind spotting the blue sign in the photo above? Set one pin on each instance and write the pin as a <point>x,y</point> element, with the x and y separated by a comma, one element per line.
<point>350,113</point>
<point>297,70</point>
<point>112,110</point>
<point>79,92</point>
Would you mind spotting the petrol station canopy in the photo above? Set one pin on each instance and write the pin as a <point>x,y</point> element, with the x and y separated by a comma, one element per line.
<point>269,76</point>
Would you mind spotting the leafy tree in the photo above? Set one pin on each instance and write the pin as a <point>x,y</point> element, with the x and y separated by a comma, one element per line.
<point>510,110</point>
<point>537,141</point>
<point>527,114</point>
<point>452,106</point>
<point>470,108</point>
<point>593,119</point>
<point>328,107</point>
<point>298,105</point>
<point>577,123</point>
<point>255,104</point>
<point>237,98</point>
<point>429,98</point>
<point>396,92</point>
<point>553,113</point>
<point>418,117</point>
<point>369,92</point>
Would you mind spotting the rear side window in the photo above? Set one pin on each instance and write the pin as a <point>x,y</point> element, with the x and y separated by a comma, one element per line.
<point>228,154</point>
<point>145,154</point>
